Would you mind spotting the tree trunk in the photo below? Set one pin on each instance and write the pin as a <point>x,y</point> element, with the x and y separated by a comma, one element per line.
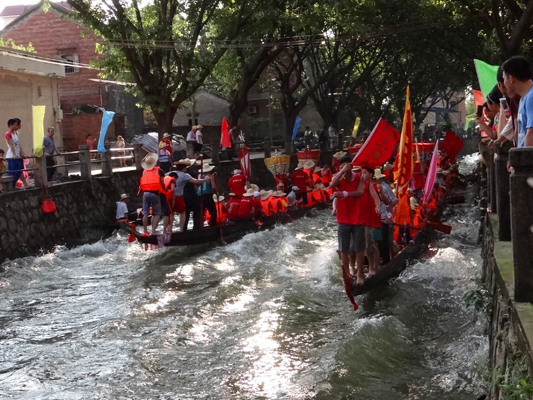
<point>236,108</point>
<point>164,119</point>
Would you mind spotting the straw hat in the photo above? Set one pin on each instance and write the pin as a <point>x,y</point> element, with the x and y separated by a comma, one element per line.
<point>265,194</point>
<point>254,187</point>
<point>356,168</point>
<point>149,161</point>
<point>236,172</point>
<point>378,174</point>
<point>199,127</point>
<point>166,135</point>
<point>339,154</point>
<point>439,171</point>
<point>309,164</point>
<point>387,166</point>
<point>162,144</point>
<point>124,196</point>
<point>299,166</point>
<point>185,161</point>
<point>278,193</point>
<point>295,188</point>
<point>318,169</point>
<point>208,168</point>
<point>232,194</point>
<point>249,193</point>
<point>320,186</point>
<point>194,127</point>
<point>220,198</point>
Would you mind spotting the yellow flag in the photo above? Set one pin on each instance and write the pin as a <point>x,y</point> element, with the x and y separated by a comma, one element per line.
<point>356,126</point>
<point>405,162</point>
<point>38,129</point>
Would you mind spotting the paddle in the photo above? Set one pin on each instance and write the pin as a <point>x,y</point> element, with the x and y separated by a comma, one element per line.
<point>218,207</point>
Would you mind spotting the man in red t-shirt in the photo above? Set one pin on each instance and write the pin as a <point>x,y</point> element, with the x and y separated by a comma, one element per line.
<point>232,205</point>
<point>247,205</point>
<point>301,179</point>
<point>237,183</point>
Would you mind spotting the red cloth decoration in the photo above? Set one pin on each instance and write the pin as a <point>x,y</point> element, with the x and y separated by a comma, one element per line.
<point>452,145</point>
<point>224,134</point>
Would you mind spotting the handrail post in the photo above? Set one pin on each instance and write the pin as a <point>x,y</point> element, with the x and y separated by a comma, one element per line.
<point>215,152</point>
<point>41,178</point>
<point>7,183</point>
<point>85,162</point>
<point>138,156</point>
<point>503,200</point>
<point>61,159</point>
<point>107,166</point>
<point>521,159</point>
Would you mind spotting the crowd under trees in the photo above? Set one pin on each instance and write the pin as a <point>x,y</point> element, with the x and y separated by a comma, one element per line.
<point>346,56</point>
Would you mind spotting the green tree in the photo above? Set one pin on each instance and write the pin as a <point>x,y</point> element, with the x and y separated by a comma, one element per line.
<point>168,48</point>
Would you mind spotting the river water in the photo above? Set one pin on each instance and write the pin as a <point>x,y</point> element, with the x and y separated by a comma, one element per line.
<point>263,318</point>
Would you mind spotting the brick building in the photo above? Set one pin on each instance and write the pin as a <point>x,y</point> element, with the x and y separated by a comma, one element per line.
<point>53,33</point>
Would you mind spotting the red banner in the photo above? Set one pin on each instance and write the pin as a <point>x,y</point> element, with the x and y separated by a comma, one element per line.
<point>379,146</point>
<point>452,145</point>
<point>244,161</point>
<point>405,163</point>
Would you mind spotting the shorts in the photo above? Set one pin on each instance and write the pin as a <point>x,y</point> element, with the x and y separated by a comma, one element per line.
<point>152,200</point>
<point>15,166</point>
<point>179,204</point>
<point>165,209</point>
<point>351,234</point>
<point>376,235</point>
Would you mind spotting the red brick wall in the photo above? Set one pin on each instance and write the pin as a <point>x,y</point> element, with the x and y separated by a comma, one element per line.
<point>80,126</point>
<point>53,36</point>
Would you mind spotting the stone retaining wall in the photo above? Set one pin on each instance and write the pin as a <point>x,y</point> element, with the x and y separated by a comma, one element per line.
<point>511,323</point>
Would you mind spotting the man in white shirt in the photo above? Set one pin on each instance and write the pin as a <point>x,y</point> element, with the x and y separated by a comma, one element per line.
<point>122,208</point>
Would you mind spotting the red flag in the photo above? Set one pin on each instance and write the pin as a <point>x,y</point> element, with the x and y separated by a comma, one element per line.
<point>224,134</point>
<point>479,100</point>
<point>244,161</point>
<point>404,171</point>
<point>379,146</point>
<point>452,145</point>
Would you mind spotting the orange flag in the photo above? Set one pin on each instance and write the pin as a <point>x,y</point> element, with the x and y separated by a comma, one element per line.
<point>405,162</point>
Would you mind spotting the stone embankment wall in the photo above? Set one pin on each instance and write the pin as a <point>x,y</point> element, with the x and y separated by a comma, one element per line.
<point>511,323</point>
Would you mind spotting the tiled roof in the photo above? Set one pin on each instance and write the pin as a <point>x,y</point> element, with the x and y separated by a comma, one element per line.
<point>15,11</point>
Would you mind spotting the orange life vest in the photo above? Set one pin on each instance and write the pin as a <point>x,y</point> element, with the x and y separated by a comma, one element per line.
<point>265,205</point>
<point>222,213</point>
<point>168,181</point>
<point>151,181</point>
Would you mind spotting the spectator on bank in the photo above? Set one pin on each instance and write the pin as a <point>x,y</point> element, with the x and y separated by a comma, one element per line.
<point>307,136</point>
<point>165,158</point>
<point>517,79</point>
<point>49,149</point>
<point>509,111</point>
<point>121,144</point>
<point>167,142</point>
<point>15,154</point>
<point>89,141</point>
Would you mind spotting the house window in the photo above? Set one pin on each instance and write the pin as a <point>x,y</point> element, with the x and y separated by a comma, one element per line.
<point>73,59</point>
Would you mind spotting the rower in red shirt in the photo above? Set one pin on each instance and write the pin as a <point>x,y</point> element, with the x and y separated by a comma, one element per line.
<point>247,205</point>
<point>237,183</point>
<point>301,179</point>
<point>266,206</point>
<point>222,211</point>
<point>232,205</point>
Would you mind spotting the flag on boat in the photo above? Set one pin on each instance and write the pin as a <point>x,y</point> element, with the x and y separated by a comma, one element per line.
<point>404,171</point>
<point>224,134</point>
<point>432,175</point>
<point>244,161</point>
<point>296,127</point>
<point>479,100</point>
<point>452,145</point>
<point>379,146</point>
<point>356,126</point>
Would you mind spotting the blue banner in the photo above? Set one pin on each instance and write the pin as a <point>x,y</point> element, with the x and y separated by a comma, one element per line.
<point>296,126</point>
<point>106,120</point>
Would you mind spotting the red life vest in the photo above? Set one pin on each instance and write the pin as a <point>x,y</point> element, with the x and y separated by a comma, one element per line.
<point>222,213</point>
<point>151,181</point>
<point>168,181</point>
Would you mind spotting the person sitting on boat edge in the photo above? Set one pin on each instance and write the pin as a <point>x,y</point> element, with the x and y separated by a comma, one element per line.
<point>300,178</point>
<point>280,202</point>
<point>232,205</point>
<point>237,183</point>
<point>266,203</point>
<point>122,209</point>
<point>180,206</point>
<point>221,209</point>
<point>152,186</point>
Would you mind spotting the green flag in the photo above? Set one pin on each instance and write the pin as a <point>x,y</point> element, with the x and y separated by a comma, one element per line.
<point>486,75</point>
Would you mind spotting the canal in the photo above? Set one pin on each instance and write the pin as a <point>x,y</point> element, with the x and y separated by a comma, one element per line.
<point>263,318</point>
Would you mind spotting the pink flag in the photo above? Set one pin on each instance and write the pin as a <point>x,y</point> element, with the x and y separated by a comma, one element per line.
<point>224,134</point>
<point>432,175</point>
<point>244,161</point>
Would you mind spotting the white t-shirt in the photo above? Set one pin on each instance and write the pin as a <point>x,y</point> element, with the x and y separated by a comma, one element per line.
<point>14,136</point>
<point>122,210</point>
<point>199,137</point>
<point>191,136</point>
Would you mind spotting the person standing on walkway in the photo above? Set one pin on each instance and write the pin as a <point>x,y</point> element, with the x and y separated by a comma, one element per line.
<point>121,144</point>
<point>50,149</point>
<point>15,154</point>
<point>89,141</point>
